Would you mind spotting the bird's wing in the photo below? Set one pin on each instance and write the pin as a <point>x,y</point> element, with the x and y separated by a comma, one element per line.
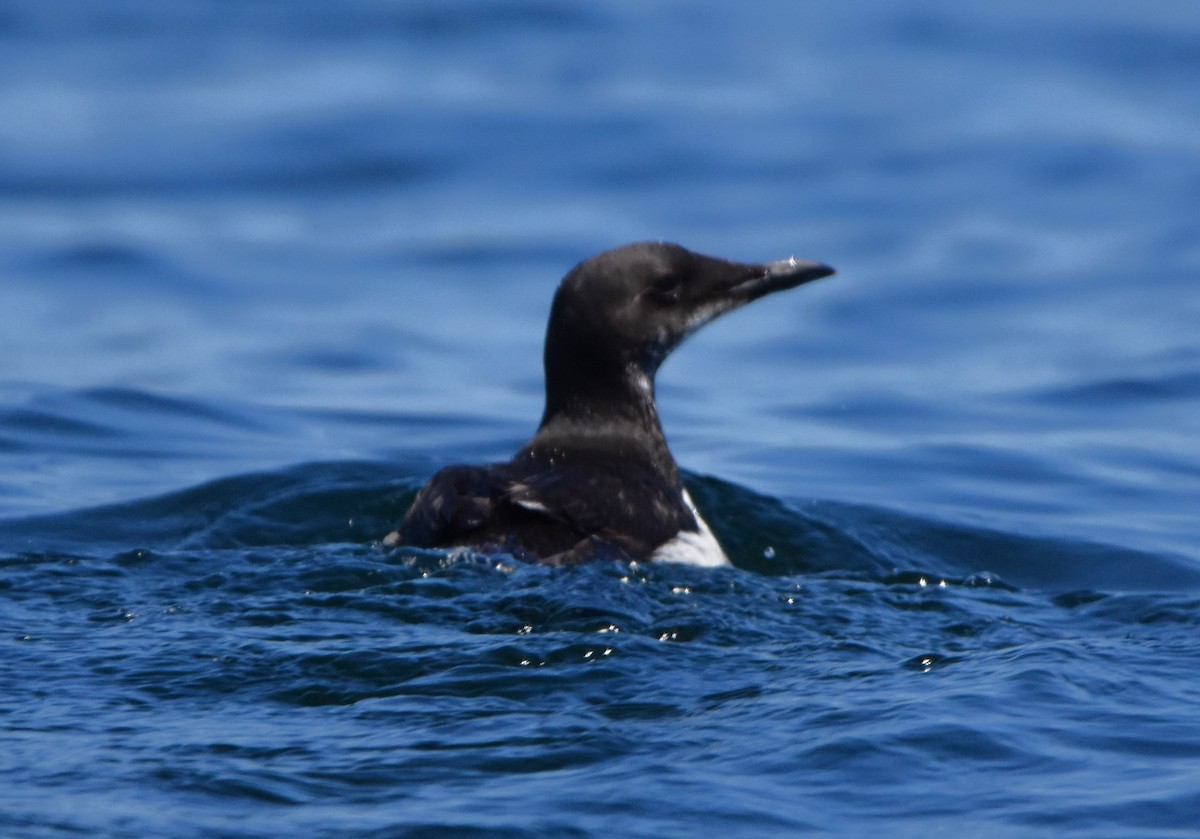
<point>565,495</point>
<point>457,501</point>
<point>632,508</point>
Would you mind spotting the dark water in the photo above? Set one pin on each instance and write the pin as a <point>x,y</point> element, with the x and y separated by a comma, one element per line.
<point>264,267</point>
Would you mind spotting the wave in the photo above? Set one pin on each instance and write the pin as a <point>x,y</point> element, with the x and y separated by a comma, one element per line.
<point>358,502</point>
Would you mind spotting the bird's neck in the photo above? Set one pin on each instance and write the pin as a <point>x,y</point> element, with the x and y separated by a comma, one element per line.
<point>610,410</point>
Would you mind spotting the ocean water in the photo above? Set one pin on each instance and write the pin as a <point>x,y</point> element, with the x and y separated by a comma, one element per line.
<point>265,267</point>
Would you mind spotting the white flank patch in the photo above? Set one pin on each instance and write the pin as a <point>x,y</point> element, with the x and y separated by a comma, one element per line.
<point>692,547</point>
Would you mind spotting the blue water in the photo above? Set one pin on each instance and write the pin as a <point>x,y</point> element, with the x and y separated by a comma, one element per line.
<point>265,267</point>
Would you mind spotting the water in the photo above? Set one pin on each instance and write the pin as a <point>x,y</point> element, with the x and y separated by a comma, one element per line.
<point>265,268</point>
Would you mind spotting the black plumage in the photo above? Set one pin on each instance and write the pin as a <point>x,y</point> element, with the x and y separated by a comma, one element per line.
<point>597,479</point>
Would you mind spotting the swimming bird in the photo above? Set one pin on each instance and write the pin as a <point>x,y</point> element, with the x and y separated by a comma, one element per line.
<point>597,479</point>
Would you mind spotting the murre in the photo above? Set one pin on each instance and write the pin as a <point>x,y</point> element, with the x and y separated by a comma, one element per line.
<point>597,480</point>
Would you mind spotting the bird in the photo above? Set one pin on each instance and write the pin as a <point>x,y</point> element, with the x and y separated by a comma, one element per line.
<point>597,479</point>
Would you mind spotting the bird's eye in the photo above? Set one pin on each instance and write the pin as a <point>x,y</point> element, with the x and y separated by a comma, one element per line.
<point>665,289</point>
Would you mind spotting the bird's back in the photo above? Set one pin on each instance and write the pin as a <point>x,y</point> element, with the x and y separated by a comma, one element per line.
<point>566,508</point>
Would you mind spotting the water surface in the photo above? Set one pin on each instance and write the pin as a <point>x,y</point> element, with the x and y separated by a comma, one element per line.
<point>264,270</point>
